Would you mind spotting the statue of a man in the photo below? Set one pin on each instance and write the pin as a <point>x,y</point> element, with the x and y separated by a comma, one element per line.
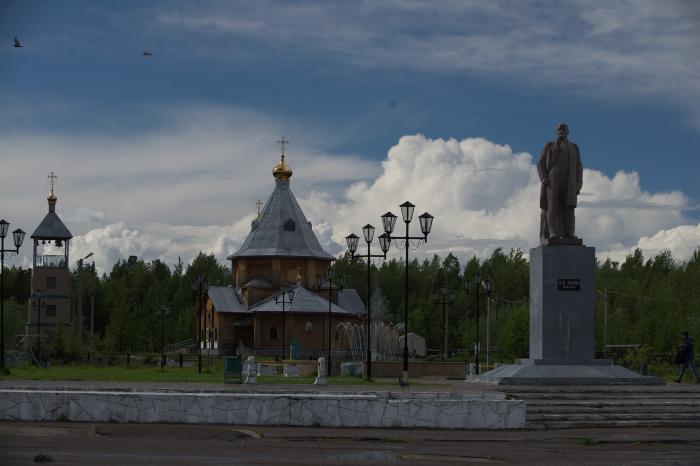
<point>561,174</point>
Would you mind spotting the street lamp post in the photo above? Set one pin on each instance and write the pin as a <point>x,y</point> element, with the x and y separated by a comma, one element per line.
<point>484,282</point>
<point>340,282</point>
<point>18,237</point>
<point>444,296</point>
<point>284,295</point>
<point>352,240</point>
<point>163,310</point>
<point>80,303</point>
<point>406,242</point>
<point>92,314</point>
<point>199,285</point>
<point>39,301</point>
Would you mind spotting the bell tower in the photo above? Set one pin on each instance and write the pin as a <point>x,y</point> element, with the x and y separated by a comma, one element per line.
<point>50,286</point>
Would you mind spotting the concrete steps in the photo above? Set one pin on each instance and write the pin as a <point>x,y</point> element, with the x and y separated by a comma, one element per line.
<point>576,407</point>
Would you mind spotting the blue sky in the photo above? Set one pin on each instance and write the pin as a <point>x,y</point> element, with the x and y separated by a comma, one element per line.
<point>184,139</point>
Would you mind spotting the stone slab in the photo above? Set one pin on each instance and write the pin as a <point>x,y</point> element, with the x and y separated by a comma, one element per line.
<point>562,362</point>
<point>568,374</point>
<point>446,410</point>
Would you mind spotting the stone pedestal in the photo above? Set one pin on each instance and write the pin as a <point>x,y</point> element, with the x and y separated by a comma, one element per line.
<point>562,325</point>
<point>562,304</point>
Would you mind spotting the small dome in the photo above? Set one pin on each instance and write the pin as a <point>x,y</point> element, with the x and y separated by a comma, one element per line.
<point>52,197</point>
<point>281,171</point>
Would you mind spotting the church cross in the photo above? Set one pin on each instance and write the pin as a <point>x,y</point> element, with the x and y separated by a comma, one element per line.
<point>52,180</point>
<point>282,142</point>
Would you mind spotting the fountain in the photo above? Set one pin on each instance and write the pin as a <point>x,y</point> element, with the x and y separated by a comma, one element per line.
<point>386,343</point>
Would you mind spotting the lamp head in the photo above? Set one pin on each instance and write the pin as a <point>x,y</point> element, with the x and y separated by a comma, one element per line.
<point>407,211</point>
<point>368,232</point>
<point>486,283</point>
<point>384,243</point>
<point>351,241</point>
<point>426,223</point>
<point>18,236</point>
<point>389,221</point>
<point>4,225</point>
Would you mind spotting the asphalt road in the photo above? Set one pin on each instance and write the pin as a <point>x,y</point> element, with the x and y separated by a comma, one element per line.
<point>170,444</point>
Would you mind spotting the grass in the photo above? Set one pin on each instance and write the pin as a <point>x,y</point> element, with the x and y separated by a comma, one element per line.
<point>149,373</point>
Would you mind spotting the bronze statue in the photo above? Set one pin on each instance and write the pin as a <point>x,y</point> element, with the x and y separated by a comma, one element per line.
<point>561,174</point>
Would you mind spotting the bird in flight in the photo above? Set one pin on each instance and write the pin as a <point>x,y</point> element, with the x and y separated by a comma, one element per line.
<point>147,53</point>
<point>17,43</point>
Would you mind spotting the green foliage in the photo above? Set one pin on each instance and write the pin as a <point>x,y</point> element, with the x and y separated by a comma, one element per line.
<point>649,302</point>
<point>514,341</point>
<point>15,320</point>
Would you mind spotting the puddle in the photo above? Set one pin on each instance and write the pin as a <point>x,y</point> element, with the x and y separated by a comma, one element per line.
<point>363,456</point>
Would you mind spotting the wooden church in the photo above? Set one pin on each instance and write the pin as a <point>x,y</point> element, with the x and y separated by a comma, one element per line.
<point>274,305</point>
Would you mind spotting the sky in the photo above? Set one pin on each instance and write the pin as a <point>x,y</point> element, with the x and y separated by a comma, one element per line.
<point>445,104</point>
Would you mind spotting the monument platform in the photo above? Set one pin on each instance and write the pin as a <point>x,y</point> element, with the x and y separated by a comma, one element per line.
<point>566,374</point>
<point>562,325</point>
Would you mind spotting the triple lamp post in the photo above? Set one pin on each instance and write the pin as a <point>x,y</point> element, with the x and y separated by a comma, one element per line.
<point>18,237</point>
<point>446,297</point>
<point>406,242</point>
<point>352,240</point>
<point>284,295</point>
<point>340,284</point>
<point>485,283</point>
<point>199,285</point>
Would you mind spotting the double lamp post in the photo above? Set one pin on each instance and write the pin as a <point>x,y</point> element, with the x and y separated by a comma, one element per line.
<point>18,237</point>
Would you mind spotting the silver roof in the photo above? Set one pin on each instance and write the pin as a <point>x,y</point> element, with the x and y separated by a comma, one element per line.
<point>51,228</point>
<point>226,299</point>
<point>304,301</point>
<point>349,299</point>
<point>281,230</point>
<point>258,282</point>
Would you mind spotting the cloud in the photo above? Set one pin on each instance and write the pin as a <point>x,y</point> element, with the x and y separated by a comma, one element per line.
<point>207,167</point>
<point>682,241</point>
<point>165,242</point>
<point>640,47</point>
<point>193,188</point>
<point>483,195</point>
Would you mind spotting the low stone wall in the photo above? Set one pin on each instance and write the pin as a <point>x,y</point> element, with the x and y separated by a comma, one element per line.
<point>453,370</point>
<point>429,410</point>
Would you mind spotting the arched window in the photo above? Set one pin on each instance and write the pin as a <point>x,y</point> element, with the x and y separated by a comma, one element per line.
<point>308,326</point>
<point>273,333</point>
<point>289,225</point>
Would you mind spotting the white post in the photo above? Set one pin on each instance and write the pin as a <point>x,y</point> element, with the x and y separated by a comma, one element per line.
<point>488,330</point>
<point>250,371</point>
<point>321,375</point>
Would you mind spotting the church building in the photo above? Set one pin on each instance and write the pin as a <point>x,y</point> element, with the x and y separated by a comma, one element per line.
<point>273,303</point>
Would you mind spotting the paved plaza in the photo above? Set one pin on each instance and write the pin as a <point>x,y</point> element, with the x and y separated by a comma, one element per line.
<point>93,444</point>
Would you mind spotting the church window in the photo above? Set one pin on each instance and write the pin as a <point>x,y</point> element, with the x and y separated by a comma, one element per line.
<point>289,225</point>
<point>50,283</point>
<point>273,333</point>
<point>308,327</point>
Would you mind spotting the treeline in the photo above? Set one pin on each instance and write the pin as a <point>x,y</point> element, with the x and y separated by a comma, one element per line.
<point>649,301</point>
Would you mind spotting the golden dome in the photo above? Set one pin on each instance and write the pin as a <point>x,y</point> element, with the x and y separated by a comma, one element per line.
<point>52,197</point>
<point>281,171</point>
